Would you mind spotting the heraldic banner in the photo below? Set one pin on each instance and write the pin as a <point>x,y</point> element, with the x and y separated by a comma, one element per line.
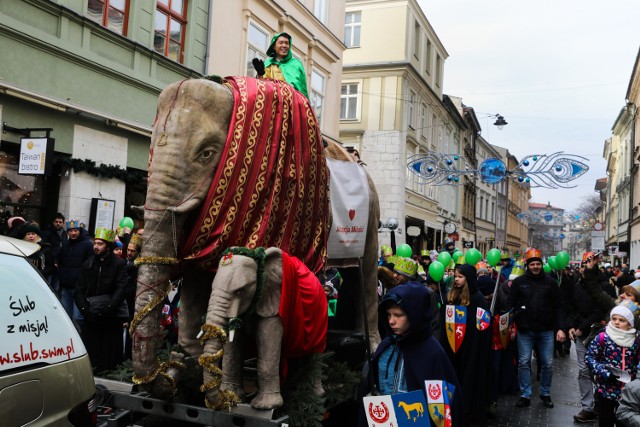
<point>456,324</point>
<point>402,409</point>
<point>439,397</point>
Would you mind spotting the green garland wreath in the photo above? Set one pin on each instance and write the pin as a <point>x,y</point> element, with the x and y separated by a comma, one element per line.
<point>102,170</point>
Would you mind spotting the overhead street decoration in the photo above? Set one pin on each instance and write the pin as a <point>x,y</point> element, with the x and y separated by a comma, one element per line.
<point>555,170</point>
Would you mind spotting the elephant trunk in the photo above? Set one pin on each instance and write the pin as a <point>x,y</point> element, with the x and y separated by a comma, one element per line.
<point>214,338</point>
<point>154,274</point>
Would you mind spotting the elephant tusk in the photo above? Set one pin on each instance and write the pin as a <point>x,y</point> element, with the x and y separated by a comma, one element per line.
<point>232,332</point>
<point>200,334</point>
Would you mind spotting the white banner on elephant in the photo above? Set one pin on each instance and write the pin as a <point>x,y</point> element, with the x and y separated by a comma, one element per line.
<point>349,191</point>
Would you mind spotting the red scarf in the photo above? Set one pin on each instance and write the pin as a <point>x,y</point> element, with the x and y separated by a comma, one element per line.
<point>271,185</point>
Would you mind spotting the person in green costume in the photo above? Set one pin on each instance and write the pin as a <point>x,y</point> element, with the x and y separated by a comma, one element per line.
<point>281,65</point>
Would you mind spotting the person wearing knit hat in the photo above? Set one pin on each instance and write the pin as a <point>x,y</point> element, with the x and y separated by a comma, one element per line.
<point>623,310</point>
<point>15,223</point>
<point>42,259</point>
<point>609,353</point>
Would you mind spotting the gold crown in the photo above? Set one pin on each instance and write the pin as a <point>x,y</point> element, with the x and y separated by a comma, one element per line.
<point>136,240</point>
<point>406,266</point>
<point>105,234</point>
<point>74,223</point>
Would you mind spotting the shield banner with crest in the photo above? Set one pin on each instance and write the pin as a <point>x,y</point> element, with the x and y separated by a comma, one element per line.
<point>456,325</point>
<point>483,319</point>
<point>439,396</point>
<point>503,328</point>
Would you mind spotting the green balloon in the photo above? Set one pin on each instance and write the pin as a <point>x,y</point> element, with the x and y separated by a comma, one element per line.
<point>546,268</point>
<point>126,222</point>
<point>473,256</point>
<point>436,270</point>
<point>456,255</point>
<point>493,257</point>
<point>404,251</point>
<point>444,258</point>
<point>552,262</point>
<point>562,259</point>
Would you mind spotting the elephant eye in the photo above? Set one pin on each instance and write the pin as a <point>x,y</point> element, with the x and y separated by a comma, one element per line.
<point>239,292</point>
<point>207,154</point>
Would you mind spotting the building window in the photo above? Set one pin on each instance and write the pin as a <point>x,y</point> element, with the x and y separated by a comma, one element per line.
<point>423,121</point>
<point>411,109</point>
<point>320,10</point>
<point>349,101</point>
<point>112,14</point>
<point>171,20</point>
<point>317,94</point>
<point>428,59</point>
<point>438,71</point>
<point>416,39</point>
<point>352,23</point>
<point>258,43</point>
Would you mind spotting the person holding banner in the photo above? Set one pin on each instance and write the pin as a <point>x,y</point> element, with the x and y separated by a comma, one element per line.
<point>409,355</point>
<point>468,340</point>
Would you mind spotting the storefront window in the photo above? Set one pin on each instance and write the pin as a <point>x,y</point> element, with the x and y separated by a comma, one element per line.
<point>20,195</point>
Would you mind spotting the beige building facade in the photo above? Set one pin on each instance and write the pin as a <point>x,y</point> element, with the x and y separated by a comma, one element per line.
<point>241,30</point>
<point>392,108</point>
<point>633,103</point>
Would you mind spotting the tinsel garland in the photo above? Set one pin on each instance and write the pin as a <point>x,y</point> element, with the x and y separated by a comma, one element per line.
<point>164,260</point>
<point>146,310</point>
<point>102,170</point>
<point>225,399</point>
<point>161,370</point>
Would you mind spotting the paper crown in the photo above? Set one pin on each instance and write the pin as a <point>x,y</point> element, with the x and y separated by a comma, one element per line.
<point>405,266</point>
<point>517,271</point>
<point>481,264</point>
<point>136,240</point>
<point>105,234</point>
<point>533,253</point>
<point>74,223</point>
<point>586,256</point>
<point>386,250</point>
<point>631,306</point>
<point>424,252</point>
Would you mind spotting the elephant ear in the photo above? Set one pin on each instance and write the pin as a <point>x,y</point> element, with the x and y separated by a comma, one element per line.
<point>269,304</point>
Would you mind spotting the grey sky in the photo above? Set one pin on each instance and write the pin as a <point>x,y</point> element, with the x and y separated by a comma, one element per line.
<point>558,72</point>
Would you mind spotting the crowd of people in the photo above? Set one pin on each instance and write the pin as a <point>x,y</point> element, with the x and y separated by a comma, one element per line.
<point>456,330</point>
<point>95,278</point>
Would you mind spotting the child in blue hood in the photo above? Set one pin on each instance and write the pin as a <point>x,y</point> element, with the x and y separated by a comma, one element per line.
<point>409,355</point>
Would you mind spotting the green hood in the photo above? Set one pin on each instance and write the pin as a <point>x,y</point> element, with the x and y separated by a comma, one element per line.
<point>292,69</point>
<point>271,52</point>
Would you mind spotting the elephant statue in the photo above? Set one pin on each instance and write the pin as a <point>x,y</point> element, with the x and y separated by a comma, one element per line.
<point>287,308</point>
<point>234,163</point>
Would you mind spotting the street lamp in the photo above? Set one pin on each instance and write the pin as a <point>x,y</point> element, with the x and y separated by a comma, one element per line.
<point>500,122</point>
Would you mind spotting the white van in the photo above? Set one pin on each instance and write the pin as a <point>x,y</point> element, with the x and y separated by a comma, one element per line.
<point>46,377</point>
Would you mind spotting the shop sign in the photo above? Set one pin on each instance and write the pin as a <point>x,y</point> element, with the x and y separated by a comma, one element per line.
<point>36,156</point>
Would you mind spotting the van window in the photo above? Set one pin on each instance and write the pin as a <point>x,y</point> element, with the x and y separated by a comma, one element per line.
<point>35,329</point>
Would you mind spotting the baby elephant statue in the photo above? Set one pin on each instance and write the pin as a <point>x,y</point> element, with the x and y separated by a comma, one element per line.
<point>269,295</point>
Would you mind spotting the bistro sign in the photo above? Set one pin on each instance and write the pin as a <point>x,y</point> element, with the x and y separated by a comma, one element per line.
<point>36,156</point>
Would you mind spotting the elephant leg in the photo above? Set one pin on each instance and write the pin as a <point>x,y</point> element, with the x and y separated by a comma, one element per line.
<point>233,364</point>
<point>269,340</point>
<point>194,299</point>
